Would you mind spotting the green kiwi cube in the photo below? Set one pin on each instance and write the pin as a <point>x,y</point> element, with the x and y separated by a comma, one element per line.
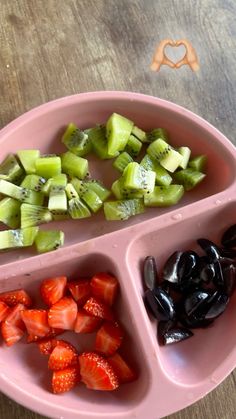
<point>77,141</point>
<point>77,209</point>
<point>33,215</point>
<point>185,153</point>
<point>189,178</point>
<point>118,130</point>
<point>48,167</point>
<point>59,181</point>
<point>49,240</point>
<point>11,239</point>
<point>61,216</point>
<point>46,188</point>
<point>163,178</point>
<point>122,161</point>
<point>27,159</point>
<point>123,209</point>
<point>10,212</point>
<point>33,182</point>
<point>133,146</point>
<point>98,188</point>
<point>157,133</point>
<point>92,200</point>
<point>136,177</point>
<point>10,169</point>
<point>78,185</point>
<point>164,196</point>
<point>198,163</point>
<point>171,161</point>
<point>158,149</point>
<point>74,165</point>
<point>120,192</point>
<point>99,142</point>
<point>71,191</point>
<point>21,194</point>
<point>139,134</point>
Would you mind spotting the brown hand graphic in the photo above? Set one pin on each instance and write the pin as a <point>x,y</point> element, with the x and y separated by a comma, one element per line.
<point>190,57</point>
<point>160,58</point>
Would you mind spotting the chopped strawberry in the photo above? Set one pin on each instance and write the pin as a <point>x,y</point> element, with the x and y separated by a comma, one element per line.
<point>4,310</point>
<point>62,357</point>
<point>96,372</point>
<point>12,327</point>
<point>109,338</point>
<point>104,287</point>
<point>36,322</point>
<point>53,289</point>
<point>19,296</point>
<point>62,315</point>
<point>123,371</point>
<point>98,309</point>
<point>65,380</point>
<point>47,345</point>
<point>85,323</point>
<point>80,290</point>
<point>52,333</point>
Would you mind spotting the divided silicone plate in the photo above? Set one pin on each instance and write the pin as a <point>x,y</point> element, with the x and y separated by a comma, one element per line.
<point>170,378</point>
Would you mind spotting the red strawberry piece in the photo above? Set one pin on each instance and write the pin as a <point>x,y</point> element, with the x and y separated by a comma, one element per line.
<point>80,290</point>
<point>12,327</point>
<point>4,310</point>
<point>65,380</point>
<point>98,309</point>
<point>47,345</point>
<point>108,338</point>
<point>36,322</point>
<point>123,371</point>
<point>19,296</point>
<point>104,287</point>
<point>53,289</point>
<point>62,357</point>
<point>96,372</point>
<point>85,323</point>
<point>62,315</point>
<point>52,333</point>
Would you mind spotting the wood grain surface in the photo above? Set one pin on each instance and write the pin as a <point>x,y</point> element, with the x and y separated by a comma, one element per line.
<point>54,48</point>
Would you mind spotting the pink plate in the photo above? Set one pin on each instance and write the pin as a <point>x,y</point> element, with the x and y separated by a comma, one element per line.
<point>170,378</point>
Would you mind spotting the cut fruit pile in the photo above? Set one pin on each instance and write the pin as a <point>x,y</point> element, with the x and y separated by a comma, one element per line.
<point>38,189</point>
<point>81,306</point>
<point>193,290</point>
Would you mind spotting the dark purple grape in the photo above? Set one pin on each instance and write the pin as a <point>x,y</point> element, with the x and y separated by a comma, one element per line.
<point>194,303</point>
<point>160,303</point>
<point>150,272</point>
<point>217,305</point>
<point>176,335</point>
<point>170,270</point>
<point>163,327</point>
<point>188,266</point>
<point>218,278</point>
<point>211,249</point>
<point>229,274</point>
<point>229,237</point>
<point>207,273</point>
<point>228,253</point>
<point>194,323</point>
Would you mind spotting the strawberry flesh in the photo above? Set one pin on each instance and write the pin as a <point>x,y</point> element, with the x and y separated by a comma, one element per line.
<point>12,328</point>
<point>36,322</point>
<point>96,372</point>
<point>64,380</point>
<point>98,309</point>
<point>123,371</point>
<point>4,310</point>
<point>80,290</point>
<point>104,287</point>
<point>63,314</point>
<point>108,338</point>
<point>85,322</point>
<point>14,297</point>
<point>62,357</point>
<point>53,289</point>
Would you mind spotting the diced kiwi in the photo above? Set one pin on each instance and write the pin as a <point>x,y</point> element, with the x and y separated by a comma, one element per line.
<point>10,212</point>
<point>77,141</point>
<point>139,133</point>
<point>198,163</point>
<point>99,142</point>
<point>136,177</point>
<point>164,196</point>
<point>185,153</point>
<point>163,178</point>
<point>157,133</point>
<point>172,161</point>
<point>21,194</point>
<point>57,196</point>
<point>120,192</point>
<point>27,159</point>
<point>118,130</point>
<point>61,216</point>
<point>98,188</point>
<point>158,149</point>
<point>74,165</point>
<point>70,191</point>
<point>49,240</point>
<point>133,146</point>
<point>59,180</point>
<point>78,185</point>
<point>33,182</point>
<point>77,209</point>
<point>33,215</point>
<point>92,200</point>
<point>10,239</point>
<point>48,167</point>
<point>10,169</point>
<point>46,188</point>
<point>123,209</point>
<point>122,161</point>
<point>189,178</point>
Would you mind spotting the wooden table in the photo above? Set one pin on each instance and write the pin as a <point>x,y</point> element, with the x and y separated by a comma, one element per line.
<point>54,48</point>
